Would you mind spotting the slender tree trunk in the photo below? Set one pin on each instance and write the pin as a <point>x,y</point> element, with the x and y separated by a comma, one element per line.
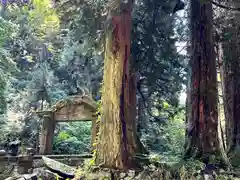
<point>133,111</point>
<point>204,141</point>
<point>117,140</point>
<point>188,119</point>
<point>133,97</point>
<point>141,117</point>
<point>221,96</point>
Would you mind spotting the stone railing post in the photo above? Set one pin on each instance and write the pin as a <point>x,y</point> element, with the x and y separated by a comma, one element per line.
<point>47,134</point>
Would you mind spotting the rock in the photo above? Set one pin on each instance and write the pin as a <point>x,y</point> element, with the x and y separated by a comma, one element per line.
<point>43,173</point>
<point>208,177</point>
<point>46,174</point>
<point>23,177</point>
<point>123,175</point>
<point>3,152</point>
<point>29,176</point>
<point>61,169</point>
<point>12,178</point>
<point>74,162</point>
<point>143,174</point>
<point>31,151</point>
<point>131,172</point>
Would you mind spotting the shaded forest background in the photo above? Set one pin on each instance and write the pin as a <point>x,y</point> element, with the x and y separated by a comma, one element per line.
<point>50,53</point>
<point>50,50</point>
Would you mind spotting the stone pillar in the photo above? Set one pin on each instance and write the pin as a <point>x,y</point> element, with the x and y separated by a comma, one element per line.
<point>47,134</point>
<point>25,164</point>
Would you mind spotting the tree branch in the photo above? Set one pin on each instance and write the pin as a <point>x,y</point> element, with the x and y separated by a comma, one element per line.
<point>157,119</point>
<point>224,7</point>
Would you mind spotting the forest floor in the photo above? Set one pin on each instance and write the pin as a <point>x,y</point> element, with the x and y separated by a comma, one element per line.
<point>154,171</point>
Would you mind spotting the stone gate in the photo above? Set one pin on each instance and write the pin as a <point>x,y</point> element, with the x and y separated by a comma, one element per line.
<point>73,108</point>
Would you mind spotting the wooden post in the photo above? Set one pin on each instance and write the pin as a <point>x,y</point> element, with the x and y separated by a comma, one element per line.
<point>47,134</point>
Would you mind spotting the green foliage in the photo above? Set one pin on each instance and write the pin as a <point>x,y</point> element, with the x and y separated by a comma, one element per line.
<point>7,31</point>
<point>166,139</point>
<point>155,55</point>
<point>52,64</point>
<point>58,52</point>
<point>73,138</point>
<point>174,134</point>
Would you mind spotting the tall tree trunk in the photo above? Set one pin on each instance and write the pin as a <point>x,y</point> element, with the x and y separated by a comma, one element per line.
<point>188,119</point>
<point>133,97</point>
<point>228,90</point>
<point>117,140</point>
<point>204,141</point>
<point>221,91</point>
<point>231,67</point>
<point>141,117</point>
<point>228,102</point>
<point>133,110</point>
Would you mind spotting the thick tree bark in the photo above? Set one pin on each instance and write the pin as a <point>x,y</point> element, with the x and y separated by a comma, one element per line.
<point>228,78</point>
<point>117,141</point>
<point>204,142</point>
<point>232,85</point>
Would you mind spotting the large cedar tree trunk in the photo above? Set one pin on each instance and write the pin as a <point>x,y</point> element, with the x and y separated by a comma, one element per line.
<point>231,66</point>
<point>117,141</point>
<point>203,139</point>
